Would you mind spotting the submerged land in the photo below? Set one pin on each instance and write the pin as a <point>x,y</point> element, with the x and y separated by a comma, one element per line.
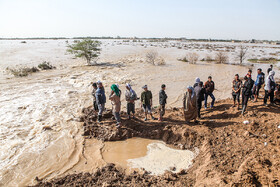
<point>49,135</point>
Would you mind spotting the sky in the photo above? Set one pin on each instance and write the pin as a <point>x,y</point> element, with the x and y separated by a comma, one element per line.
<point>215,19</point>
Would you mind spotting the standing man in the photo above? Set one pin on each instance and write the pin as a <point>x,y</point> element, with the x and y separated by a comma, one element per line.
<point>236,89</point>
<point>94,88</point>
<point>147,102</point>
<point>130,97</point>
<point>269,88</point>
<point>199,91</point>
<point>190,105</point>
<point>258,84</point>
<point>100,100</point>
<point>162,102</point>
<point>246,93</point>
<point>209,88</point>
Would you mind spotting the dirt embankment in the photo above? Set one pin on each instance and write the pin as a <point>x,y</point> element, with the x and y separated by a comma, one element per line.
<point>231,153</point>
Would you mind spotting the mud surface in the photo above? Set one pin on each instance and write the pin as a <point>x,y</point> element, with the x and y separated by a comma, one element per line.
<point>231,153</point>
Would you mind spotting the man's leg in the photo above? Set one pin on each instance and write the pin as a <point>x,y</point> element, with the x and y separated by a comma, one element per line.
<point>133,109</point>
<point>100,111</point>
<point>213,99</point>
<point>265,97</point>
<point>117,116</point>
<point>128,110</point>
<point>150,111</point>
<point>205,101</point>
<point>238,100</point>
<point>199,103</point>
<point>246,98</point>
<point>145,110</point>
<point>234,99</point>
<point>271,97</point>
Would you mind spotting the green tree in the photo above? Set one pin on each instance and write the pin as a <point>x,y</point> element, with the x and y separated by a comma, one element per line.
<point>87,49</point>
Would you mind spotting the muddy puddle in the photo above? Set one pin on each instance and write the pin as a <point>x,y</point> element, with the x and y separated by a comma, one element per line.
<point>154,156</point>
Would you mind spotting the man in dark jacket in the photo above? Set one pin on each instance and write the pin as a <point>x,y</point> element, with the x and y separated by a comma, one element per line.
<point>209,88</point>
<point>94,88</point>
<point>246,93</point>
<point>200,92</point>
<point>100,100</point>
<point>147,102</point>
<point>162,102</point>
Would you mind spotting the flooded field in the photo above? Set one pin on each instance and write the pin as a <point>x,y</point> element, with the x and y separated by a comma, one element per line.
<point>40,132</point>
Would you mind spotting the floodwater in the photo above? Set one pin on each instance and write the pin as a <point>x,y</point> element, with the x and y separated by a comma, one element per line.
<point>40,135</point>
<point>153,156</point>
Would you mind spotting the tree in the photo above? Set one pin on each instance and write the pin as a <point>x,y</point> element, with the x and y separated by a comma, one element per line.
<point>221,58</point>
<point>242,54</point>
<point>87,49</point>
<point>192,58</point>
<point>151,57</point>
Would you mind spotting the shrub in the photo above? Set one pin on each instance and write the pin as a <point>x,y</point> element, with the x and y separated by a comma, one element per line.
<point>192,58</point>
<point>22,71</point>
<point>151,57</point>
<point>45,66</point>
<point>221,58</point>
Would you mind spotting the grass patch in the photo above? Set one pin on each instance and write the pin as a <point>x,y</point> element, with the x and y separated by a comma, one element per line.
<point>264,60</point>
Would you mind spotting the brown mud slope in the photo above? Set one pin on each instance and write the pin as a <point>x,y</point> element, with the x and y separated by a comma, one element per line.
<point>231,153</point>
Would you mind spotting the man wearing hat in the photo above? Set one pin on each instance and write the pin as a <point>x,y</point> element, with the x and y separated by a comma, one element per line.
<point>147,102</point>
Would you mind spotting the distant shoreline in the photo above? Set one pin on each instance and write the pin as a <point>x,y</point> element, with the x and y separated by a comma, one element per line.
<point>182,39</point>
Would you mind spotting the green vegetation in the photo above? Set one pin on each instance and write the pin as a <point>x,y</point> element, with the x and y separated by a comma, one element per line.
<point>25,71</point>
<point>87,49</point>
<point>264,60</point>
<point>22,71</point>
<point>45,66</point>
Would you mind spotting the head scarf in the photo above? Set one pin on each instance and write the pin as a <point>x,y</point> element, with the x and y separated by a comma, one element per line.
<point>191,88</point>
<point>271,75</point>
<point>197,80</point>
<point>115,89</point>
<point>99,82</point>
<point>129,86</point>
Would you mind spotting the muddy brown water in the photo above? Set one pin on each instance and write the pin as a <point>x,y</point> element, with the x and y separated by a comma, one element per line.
<point>154,156</point>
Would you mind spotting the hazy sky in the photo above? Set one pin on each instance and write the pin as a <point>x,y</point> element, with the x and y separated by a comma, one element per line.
<point>226,19</point>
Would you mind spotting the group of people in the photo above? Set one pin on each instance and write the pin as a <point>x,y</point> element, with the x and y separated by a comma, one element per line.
<point>249,89</point>
<point>192,100</point>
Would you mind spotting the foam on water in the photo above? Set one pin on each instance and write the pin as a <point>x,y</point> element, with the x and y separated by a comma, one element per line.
<point>161,158</point>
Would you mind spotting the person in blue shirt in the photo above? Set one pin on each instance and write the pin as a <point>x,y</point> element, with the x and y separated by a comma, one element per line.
<point>258,84</point>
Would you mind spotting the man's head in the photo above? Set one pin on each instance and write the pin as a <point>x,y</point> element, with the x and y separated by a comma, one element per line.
<point>250,72</point>
<point>163,86</point>
<point>209,78</point>
<point>99,84</point>
<point>259,71</point>
<point>271,66</point>
<point>200,84</point>
<point>145,87</point>
<point>94,85</point>
<point>236,76</point>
